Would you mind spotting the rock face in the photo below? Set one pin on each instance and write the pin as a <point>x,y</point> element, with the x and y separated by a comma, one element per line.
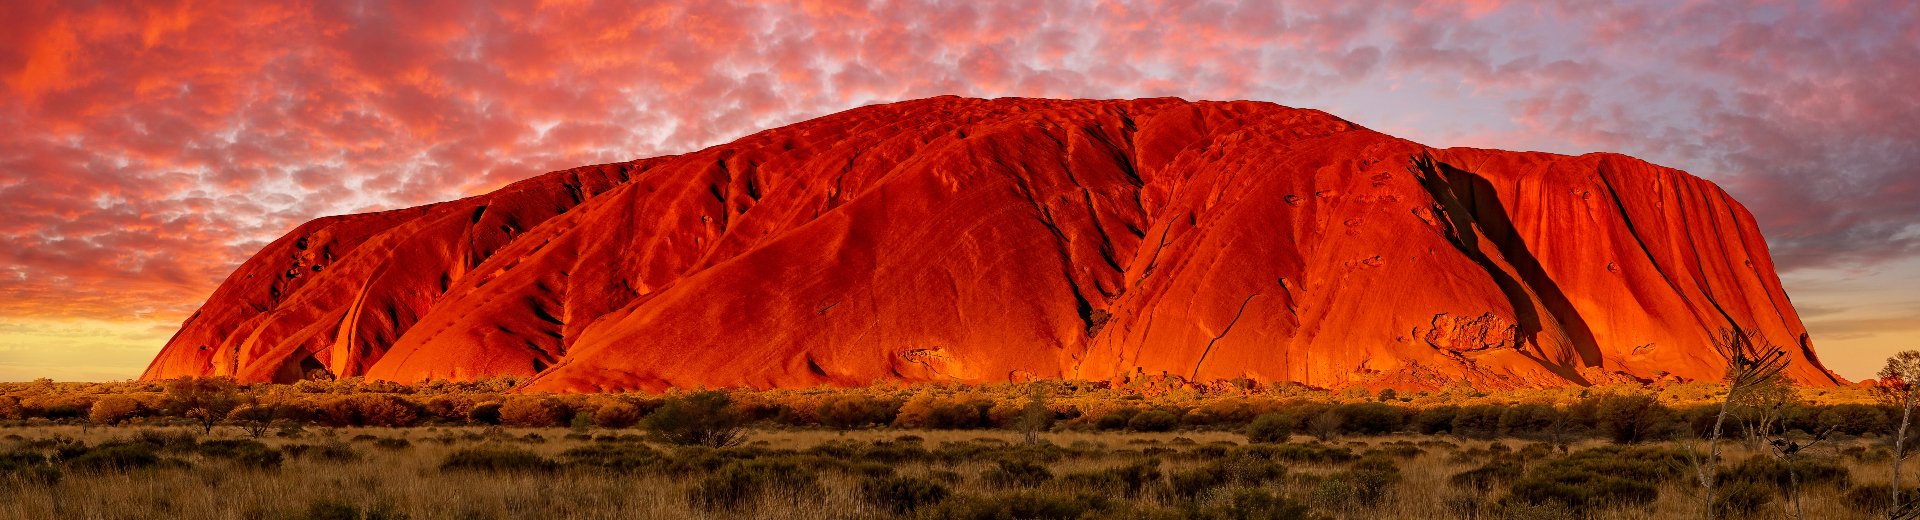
<point>994,240</point>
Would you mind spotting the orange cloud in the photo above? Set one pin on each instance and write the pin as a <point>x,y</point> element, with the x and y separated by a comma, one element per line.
<point>148,147</point>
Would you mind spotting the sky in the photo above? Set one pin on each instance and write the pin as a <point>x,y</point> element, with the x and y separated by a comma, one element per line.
<point>148,148</point>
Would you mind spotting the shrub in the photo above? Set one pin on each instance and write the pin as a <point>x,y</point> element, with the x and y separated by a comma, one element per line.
<point>113,409</point>
<point>1115,419</point>
<point>532,412</point>
<point>1435,420</point>
<point>1241,471</point>
<point>700,419</point>
<point>206,400</point>
<point>1370,418</point>
<point>1257,504</point>
<point>616,415</point>
<point>1498,471</point>
<point>1153,421</point>
<point>1480,420</point>
<point>10,408</point>
<point>1581,489</point>
<point>1853,419</point>
<point>620,457</point>
<point>1273,427</point>
<point>845,413</point>
<point>902,495</point>
<point>1600,477</point>
<point>253,419</point>
<point>115,458</point>
<point>1628,419</point>
<point>368,410</point>
<point>484,413</point>
<point>1024,506</point>
<point>1742,499</point>
<point>1016,473</point>
<point>332,452</point>
<point>1874,498</point>
<point>330,509</point>
<point>1528,420</point>
<point>1129,480</point>
<point>1770,471</point>
<point>497,459</point>
<point>1308,453</point>
<point>392,444</point>
<point>738,483</point>
<point>244,453</point>
<point>452,408</point>
<point>1370,479</point>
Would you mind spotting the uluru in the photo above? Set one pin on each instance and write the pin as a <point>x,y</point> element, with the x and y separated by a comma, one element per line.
<point>972,240</point>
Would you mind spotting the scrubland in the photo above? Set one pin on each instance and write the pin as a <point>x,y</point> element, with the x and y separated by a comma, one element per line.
<point>463,472</point>
<point>209,448</point>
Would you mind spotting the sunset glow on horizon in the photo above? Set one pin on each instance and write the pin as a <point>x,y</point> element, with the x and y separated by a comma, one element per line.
<point>148,148</point>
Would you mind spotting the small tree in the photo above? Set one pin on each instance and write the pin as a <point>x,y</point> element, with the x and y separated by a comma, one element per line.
<point>1035,417</point>
<point>1752,361</point>
<point>845,413</point>
<point>254,419</point>
<point>113,409</point>
<point>206,400</point>
<point>616,415</point>
<point>1898,387</point>
<point>704,418</point>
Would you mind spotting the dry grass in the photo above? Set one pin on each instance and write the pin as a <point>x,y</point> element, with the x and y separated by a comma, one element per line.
<point>409,480</point>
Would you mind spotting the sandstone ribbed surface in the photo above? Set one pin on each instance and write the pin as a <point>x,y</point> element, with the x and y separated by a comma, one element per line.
<point>994,240</point>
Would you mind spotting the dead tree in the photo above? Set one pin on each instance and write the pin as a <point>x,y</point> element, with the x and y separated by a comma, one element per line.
<point>1752,361</point>
<point>1897,387</point>
<point>1788,450</point>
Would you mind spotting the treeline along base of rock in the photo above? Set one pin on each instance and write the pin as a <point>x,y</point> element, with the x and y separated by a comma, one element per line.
<point>1042,450</point>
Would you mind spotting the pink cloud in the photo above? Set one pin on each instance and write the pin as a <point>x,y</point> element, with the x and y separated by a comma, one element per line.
<point>146,148</point>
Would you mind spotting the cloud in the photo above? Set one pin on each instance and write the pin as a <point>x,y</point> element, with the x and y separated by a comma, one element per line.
<point>146,148</point>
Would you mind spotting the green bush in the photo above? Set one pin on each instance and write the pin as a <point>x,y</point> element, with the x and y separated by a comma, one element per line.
<point>1116,419</point>
<point>1364,484</point>
<point>618,457</point>
<point>1528,420</point>
<point>244,453</point>
<point>1629,419</point>
<point>1314,453</point>
<point>1770,471</point>
<point>1021,506</point>
<point>700,419</point>
<point>1853,419</point>
<point>1016,473</point>
<point>1496,472</point>
<point>738,483</point>
<point>1153,421</point>
<point>118,458</point>
<point>1601,477</point>
<point>1128,480</point>
<point>617,415</point>
<point>1742,499</point>
<point>497,459</point>
<point>902,495</point>
<point>1273,428</point>
<point>1370,418</point>
<point>1434,420</point>
<point>330,509</point>
<point>333,452</point>
<point>1256,504</point>
<point>1581,489</point>
<point>484,413</point>
<point>1244,472</point>
<point>1480,420</point>
<point>1874,498</point>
